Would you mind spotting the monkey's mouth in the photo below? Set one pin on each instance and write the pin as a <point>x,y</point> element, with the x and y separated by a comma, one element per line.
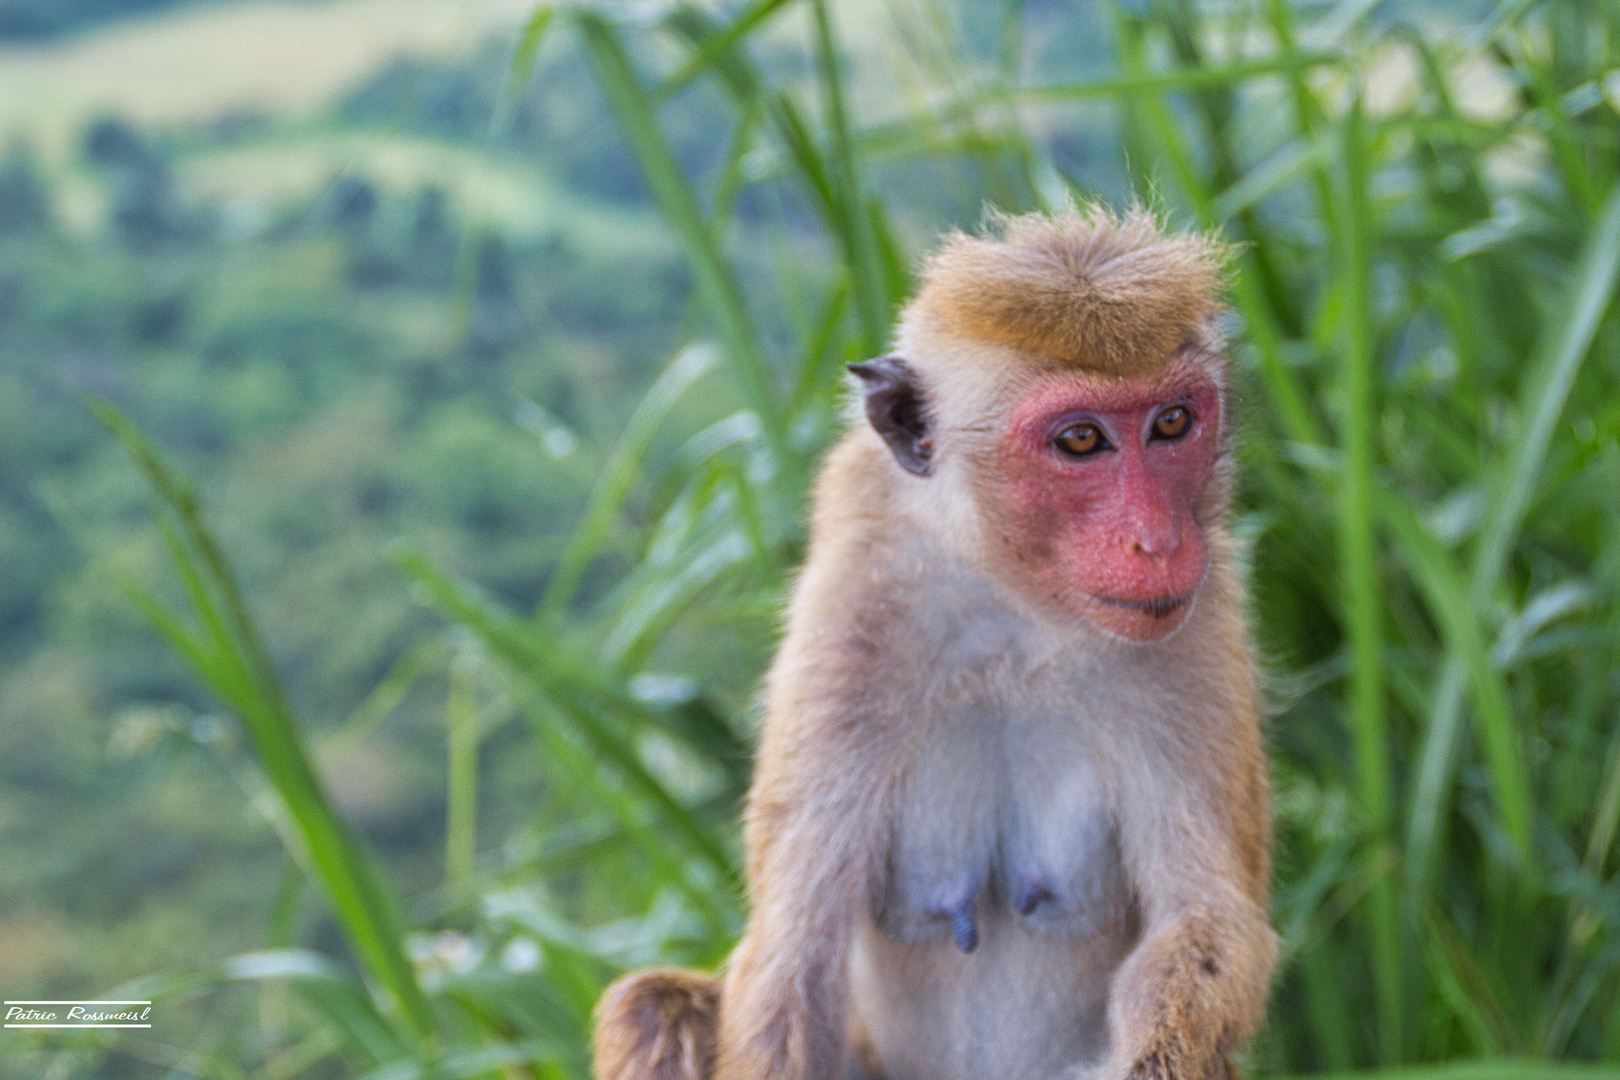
<point>1158,607</point>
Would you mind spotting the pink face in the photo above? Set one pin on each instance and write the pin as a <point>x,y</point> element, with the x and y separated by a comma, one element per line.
<point>1102,481</point>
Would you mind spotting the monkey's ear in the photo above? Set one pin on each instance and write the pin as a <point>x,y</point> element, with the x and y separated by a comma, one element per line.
<point>897,411</point>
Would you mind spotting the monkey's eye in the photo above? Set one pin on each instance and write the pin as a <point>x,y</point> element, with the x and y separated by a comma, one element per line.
<point>1080,440</point>
<point>1172,424</point>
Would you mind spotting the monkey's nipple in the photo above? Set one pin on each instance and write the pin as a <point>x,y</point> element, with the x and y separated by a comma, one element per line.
<point>1032,893</point>
<point>964,931</point>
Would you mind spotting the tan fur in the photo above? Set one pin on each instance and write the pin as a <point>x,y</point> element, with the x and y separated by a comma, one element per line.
<point>657,1025</point>
<point>916,702</point>
<point>1114,295</point>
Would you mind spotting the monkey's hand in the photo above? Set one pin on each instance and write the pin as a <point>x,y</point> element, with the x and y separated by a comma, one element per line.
<point>1158,1067</point>
<point>1191,992</point>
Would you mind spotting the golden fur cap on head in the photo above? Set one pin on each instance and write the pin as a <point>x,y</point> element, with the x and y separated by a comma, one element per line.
<point>1112,294</point>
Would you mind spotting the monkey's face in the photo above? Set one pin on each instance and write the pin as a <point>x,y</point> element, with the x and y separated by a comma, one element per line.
<point>1098,492</point>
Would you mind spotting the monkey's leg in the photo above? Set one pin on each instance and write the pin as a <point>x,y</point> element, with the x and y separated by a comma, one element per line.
<point>657,1025</point>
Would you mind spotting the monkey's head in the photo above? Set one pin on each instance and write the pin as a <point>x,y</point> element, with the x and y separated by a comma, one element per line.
<point>1058,395</point>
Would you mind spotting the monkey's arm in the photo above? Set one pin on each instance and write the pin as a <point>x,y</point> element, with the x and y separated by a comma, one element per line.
<point>1192,991</point>
<point>1195,986</point>
<point>812,818</point>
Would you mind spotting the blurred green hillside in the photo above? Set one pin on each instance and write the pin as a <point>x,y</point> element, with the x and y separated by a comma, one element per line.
<point>369,323</point>
<point>500,344</point>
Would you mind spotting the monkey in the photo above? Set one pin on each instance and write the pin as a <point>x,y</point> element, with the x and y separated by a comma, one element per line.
<point>1010,811</point>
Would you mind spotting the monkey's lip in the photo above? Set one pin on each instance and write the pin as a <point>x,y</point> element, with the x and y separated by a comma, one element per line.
<point>1158,607</point>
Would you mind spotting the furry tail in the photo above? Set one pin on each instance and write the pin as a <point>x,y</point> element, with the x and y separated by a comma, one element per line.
<point>657,1025</point>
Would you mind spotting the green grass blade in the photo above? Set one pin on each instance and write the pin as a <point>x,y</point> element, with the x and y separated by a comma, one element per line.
<point>622,470</point>
<point>1591,291</point>
<point>339,999</point>
<point>632,108</point>
<point>713,47</point>
<point>1445,588</point>
<point>246,681</point>
<point>609,746</point>
<point>1566,342</point>
<point>1449,984</point>
<point>1327,1007</point>
<point>1358,565</point>
<point>349,1020</point>
<point>1581,996</point>
<point>730,183</point>
<point>814,369</point>
<point>572,690</point>
<point>189,647</point>
<point>856,234</point>
<point>1606,817</point>
<point>630,814</point>
<point>1299,423</point>
<point>389,692</point>
<point>732,67</point>
<point>1308,112</point>
<point>461,813</point>
<point>464,1064</point>
<point>1010,41</point>
<point>1137,82</point>
<point>1431,789</point>
<point>1155,83</point>
<point>223,645</point>
<point>794,132</point>
<point>652,612</point>
<point>521,67</point>
<point>284,912</point>
<point>1270,176</point>
<point>1483,1070</point>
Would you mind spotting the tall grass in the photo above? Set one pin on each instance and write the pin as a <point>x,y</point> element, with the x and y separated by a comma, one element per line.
<point>1431,465</point>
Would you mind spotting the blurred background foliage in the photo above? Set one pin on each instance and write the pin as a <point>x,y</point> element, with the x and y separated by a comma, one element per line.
<point>498,344</point>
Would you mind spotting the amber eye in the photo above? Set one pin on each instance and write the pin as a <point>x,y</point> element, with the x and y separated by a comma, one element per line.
<point>1172,423</point>
<point>1080,440</point>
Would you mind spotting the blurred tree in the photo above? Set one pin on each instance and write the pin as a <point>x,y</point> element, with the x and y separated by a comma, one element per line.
<point>31,20</point>
<point>24,202</point>
<point>143,206</point>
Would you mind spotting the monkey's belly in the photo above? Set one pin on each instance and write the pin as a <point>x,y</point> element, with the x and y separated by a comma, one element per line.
<point>1025,1003</point>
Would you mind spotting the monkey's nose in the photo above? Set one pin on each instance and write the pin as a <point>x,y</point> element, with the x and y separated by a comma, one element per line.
<point>1156,540</point>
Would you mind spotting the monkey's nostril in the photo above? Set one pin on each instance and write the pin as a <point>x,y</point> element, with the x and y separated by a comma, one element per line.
<point>1159,540</point>
<point>1157,550</point>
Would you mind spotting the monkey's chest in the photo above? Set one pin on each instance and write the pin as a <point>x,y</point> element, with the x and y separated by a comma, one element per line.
<point>1002,911</point>
<point>1001,837</point>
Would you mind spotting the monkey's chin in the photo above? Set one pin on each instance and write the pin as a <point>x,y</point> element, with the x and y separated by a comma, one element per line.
<point>1140,620</point>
